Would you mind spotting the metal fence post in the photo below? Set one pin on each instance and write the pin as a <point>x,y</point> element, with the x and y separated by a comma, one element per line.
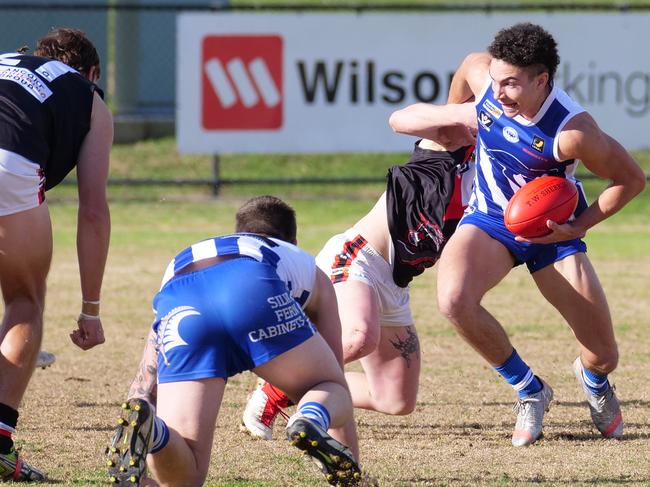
<point>127,50</point>
<point>216,177</point>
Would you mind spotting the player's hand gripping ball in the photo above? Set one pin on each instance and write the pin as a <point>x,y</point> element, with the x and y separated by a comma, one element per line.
<point>545,198</point>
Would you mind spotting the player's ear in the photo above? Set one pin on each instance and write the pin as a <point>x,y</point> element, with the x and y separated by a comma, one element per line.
<point>542,79</point>
<point>93,74</point>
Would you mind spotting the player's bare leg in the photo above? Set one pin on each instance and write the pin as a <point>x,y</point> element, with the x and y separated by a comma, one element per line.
<point>572,286</point>
<point>321,382</point>
<point>24,264</point>
<point>319,366</point>
<point>190,411</point>
<point>471,264</point>
<point>359,312</point>
<point>389,383</point>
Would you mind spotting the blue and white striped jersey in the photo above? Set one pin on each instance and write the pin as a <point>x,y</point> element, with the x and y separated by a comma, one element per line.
<point>294,266</point>
<point>511,152</point>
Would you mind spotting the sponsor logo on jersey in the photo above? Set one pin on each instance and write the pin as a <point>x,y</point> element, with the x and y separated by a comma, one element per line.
<point>485,120</point>
<point>538,144</point>
<point>241,82</point>
<point>494,110</point>
<point>289,317</point>
<point>53,69</point>
<point>534,155</point>
<point>28,80</point>
<point>510,134</point>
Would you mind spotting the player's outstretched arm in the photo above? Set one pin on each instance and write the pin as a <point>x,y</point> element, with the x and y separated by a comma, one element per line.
<point>93,220</point>
<point>453,124</point>
<point>582,139</point>
<point>323,311</point>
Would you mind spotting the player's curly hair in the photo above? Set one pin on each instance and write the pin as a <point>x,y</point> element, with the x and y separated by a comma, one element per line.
<point>70,46</point>
<point>526,45</point>
<point>267,215</point>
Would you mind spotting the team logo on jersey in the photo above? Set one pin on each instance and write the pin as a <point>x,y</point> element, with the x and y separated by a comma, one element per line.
<point>241,82</point>
<point>494,110</point>
<point>538,144</point>
<point>485,120</point>
<point>425,231</point>
<point>168,334</point>
<point>511,135</point>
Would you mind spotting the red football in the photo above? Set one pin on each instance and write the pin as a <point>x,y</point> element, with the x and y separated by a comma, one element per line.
<point>542,199</point>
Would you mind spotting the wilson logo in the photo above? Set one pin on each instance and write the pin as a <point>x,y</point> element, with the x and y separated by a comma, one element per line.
<point>242,82</point>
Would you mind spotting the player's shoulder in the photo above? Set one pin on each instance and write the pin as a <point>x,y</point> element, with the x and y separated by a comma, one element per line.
<point>580,133</point>
<point>289,248</point>
<point>475,67</point>
<point>477,58</point>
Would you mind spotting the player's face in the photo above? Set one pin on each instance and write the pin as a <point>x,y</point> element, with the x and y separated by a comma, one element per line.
<point>519,92</point>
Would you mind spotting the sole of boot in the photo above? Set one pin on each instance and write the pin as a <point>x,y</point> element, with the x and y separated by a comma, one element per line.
<point>127,453</point>
<point>335,460</point>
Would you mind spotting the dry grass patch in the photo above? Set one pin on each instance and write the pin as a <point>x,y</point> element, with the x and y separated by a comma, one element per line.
<point>459,434</point>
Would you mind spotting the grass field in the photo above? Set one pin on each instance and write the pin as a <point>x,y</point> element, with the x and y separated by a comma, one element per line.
<point>460,432</point>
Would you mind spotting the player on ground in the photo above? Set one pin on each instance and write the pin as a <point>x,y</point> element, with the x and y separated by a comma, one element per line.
<point>372,263</point>
<point>52,118</point>
<point>229,304</point>
<point>529,127</point>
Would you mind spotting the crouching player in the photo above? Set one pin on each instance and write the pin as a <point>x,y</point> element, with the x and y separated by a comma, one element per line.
<point>229,304</point>
<point>372,264</point>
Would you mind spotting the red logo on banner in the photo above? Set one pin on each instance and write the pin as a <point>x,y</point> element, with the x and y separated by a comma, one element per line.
<point>241,82</point>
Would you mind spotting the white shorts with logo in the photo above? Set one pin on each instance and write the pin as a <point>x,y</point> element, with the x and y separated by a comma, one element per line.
<point>348,256</point>
<point>21,183</point>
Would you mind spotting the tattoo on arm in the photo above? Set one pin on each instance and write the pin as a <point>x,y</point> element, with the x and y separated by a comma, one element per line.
<point>144,385</point>
<point>410,345</point>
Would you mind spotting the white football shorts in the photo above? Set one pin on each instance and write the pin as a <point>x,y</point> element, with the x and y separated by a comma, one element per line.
<point>348,256</point>
<point>21,183</point>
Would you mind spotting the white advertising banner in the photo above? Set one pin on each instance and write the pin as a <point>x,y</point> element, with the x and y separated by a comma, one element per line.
<point>327,82</point>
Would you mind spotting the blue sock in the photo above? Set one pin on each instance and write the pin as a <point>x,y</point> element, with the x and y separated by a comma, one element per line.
<point>159,436</point>
<point>594,382</point>
<point>316,412</point>
<point>519,375</point>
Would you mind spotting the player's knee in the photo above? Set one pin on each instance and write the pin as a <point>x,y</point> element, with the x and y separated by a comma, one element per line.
<point>401,408</point>
<point>395,405</point>
<point>26,307</point>
<point>193,479</point>
<point>454,305</point>
<point>359,342</point>
<point>24,292</point>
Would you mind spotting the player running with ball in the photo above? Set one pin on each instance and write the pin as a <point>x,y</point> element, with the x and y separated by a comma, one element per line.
<point>528,127</point>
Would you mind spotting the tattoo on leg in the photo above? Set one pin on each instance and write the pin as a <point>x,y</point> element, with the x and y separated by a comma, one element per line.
<point>408,346</point>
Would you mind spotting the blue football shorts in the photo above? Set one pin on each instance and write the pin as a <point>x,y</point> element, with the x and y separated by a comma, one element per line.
<point>535,256</point>
<point>224,319</point>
